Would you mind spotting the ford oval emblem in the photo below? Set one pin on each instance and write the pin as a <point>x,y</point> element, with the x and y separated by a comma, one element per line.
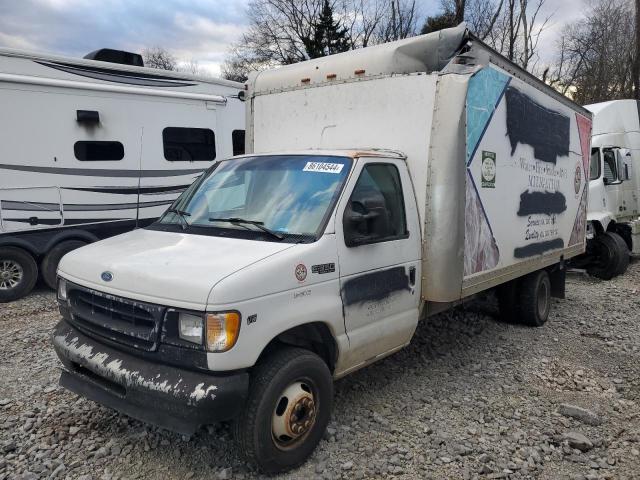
<point>106,276</point>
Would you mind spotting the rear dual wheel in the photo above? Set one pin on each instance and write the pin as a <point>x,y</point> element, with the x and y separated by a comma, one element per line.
<point>287,411</point>
<point>526,300</point>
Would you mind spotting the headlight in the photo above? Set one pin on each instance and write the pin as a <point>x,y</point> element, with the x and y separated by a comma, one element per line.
<point>62,289</point>
<point>190,327</point>
<point>222,330</point>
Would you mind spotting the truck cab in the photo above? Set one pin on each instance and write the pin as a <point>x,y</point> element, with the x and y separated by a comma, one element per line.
<point>262,251</point>
<point>614,189</point>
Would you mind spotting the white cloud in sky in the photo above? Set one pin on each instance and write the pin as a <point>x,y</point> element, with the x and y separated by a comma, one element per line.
<point>198,30</point>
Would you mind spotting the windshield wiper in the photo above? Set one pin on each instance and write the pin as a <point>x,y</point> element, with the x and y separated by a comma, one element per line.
<point>182,215</point>
<point>255,223</point>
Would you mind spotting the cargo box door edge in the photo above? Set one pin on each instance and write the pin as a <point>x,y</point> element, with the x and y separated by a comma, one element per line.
<point>526,164</point>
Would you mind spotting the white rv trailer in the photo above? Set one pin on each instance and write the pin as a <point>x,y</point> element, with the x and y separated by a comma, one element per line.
<point>613,229</point>
<point>89,149</point>
<point>310,258</point>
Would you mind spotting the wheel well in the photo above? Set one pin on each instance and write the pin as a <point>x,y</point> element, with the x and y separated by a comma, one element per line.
<point>597,227</point>
<point>315,337</point>
<point>623,230</point>
<point>71,235</point>
<point>23,245</point>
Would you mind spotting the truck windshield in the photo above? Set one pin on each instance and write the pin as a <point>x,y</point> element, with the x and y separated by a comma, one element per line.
<point>275,198</point>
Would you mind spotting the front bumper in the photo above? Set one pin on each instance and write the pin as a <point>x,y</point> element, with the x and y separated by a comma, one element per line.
<point>166,396</point>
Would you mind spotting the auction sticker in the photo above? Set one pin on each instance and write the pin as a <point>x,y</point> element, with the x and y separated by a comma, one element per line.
<point>488,170</point>
<point>323,167</point>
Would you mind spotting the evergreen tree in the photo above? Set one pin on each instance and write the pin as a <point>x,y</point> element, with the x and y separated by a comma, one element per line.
<point>329,36</point>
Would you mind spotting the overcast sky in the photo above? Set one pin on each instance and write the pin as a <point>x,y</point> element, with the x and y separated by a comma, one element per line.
<point>201,30</point>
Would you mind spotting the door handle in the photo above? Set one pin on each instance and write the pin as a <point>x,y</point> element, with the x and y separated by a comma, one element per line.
<point>412,276</point>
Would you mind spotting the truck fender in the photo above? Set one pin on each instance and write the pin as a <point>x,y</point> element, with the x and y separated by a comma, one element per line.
<point>599,221</point>
<point>314,336</point>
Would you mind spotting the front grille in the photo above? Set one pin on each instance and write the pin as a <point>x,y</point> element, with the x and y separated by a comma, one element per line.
<point>121,320</point>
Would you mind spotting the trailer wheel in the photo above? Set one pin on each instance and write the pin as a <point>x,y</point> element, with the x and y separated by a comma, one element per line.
<point>18,273</point>
<point>49,264</point>
<point>606,253</point>
<point>287,411</point>
<point>623,250</point>
<point>535,299</point>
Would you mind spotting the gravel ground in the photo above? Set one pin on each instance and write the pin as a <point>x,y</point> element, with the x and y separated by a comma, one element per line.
<point>470,398</point>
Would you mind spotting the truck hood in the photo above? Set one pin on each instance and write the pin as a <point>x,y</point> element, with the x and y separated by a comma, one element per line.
<point>167,268</point>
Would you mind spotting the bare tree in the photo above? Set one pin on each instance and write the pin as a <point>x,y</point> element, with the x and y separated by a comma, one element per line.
<point>158,57</point>
<point>399,22</point>
<point>282,32</point>
<point>636,59</point>
<point>482,15</point>
<point>514,28</point>
<point>192,66</point>
<point>596,60</point>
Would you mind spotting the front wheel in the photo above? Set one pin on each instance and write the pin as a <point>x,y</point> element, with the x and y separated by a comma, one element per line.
<point>606,261</point>
<point>623,253</point>
<point>287,411</point>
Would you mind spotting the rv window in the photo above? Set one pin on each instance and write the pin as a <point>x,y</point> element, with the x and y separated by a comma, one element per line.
<point>94,151</point>
<point>237,138</point>
<point>610,169</point>
<point>594,166</point>
<point>188,144</point>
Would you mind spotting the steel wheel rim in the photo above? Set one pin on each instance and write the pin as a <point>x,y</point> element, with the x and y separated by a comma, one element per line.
<point>11,274</point>
<point>294,414</point>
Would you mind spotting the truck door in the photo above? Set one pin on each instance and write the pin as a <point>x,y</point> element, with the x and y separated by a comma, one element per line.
<point>379,240</point>
<point>612,180</point>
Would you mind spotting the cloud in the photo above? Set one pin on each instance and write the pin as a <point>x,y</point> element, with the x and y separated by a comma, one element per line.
<point>199,30</point>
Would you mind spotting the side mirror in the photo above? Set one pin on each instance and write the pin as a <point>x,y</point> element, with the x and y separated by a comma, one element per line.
<point>358,223</point>
<point>605,180</point>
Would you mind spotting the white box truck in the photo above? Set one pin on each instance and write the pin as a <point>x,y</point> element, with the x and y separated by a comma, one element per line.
<point>95,147</point>
<point>613,213</point>
<point>383,185</point>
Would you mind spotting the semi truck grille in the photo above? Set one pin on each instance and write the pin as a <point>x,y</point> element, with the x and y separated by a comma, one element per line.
<point>121,320</point>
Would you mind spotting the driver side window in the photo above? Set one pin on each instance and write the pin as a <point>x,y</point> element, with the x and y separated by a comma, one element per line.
<point>610,168</point>
<point>376,211</point>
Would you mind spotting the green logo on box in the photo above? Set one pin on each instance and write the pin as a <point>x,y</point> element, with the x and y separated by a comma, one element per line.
<point>488,170</point>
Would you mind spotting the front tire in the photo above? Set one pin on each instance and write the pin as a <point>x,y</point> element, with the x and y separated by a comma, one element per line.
<point>606,253</point>
<point>623,253</point>
<point>18,273</point>
<point>287,411</point>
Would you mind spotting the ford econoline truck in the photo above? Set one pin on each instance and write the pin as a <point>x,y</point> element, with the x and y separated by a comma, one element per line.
<point>383,185</point>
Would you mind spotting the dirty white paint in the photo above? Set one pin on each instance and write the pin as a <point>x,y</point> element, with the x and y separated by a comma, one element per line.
<point>97,362</point>
<point>199,392</point>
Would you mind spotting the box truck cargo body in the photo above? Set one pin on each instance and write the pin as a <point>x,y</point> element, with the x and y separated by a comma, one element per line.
<point>381,186</point>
